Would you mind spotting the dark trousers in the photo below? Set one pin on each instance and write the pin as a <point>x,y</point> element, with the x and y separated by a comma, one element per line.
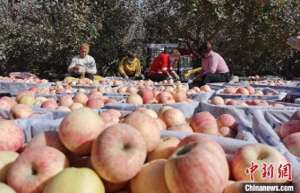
<point>157,77</point>
<point>87,75</point>
<point>209,78</point>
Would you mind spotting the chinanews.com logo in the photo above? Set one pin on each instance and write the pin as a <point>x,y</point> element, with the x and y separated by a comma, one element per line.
<point>269,172</point>
<point>268,187</point>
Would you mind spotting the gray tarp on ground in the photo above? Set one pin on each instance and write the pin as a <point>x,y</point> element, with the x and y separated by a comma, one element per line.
<point>260,122</point>
<point>37,114</point>
<point>264,124</point>
<point>217,86</point>
<point>202,96</point>
<point>58,114</point>
<point>230,145</point>
<point>33,127</point>
<point>278,95</point>
<point>244,114</point>
<point>293,91</point>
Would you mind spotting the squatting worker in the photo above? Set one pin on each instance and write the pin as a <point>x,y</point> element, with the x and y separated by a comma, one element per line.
<point>83,64</point>
<point>214,67</point>
<point>161,68</point>
<point>130,66</point>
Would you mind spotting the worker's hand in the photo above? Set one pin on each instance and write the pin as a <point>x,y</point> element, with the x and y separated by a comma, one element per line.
<point>81,70</point>
<point>176,76</point>
<point>74,70</point>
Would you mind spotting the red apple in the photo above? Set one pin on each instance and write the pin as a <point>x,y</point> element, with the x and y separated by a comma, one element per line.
<point>147,126</point>
<point>292,142</point>
<point>65,100</point>
<point>34,167</point>
<point>118,153</point>
<point>80,97</point>
<point>134,99</point>
<point>296,116</point>
<point>231,102</point>
<point>11,136</point>
<point>79,129</point>
<point>47,138</point>
<point>229,90</point>
<point>76,106</point>
<point>165,98</point>
<point>146,94</point>
<point>49,104</point>
<point>227,120</point>
<point>251,90</point>
<point>6,160</point>
<point>197,167</point>
<point>217,100</point>
<point>95,103</point>
<point>242,91</point>
<point>132,90</point>
<point>114,112</point>
<point>183,127</point>
<point>191,139</point>
<point>149,112</point>
<point>165,148</point>
<point>161,124</point>
<point>21,111</point>
<point>6,104</point>
<point>109,118</point>
<point>150,179</point>
<point>257,154</point>
<point>172,117</point>
<point>204,122</point>
<point>179,95</point>
<point>205,88</point>
<point>289,127</point>
<point>94,94</point>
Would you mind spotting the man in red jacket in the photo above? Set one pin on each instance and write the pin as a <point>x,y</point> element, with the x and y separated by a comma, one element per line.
<point>161,68</point>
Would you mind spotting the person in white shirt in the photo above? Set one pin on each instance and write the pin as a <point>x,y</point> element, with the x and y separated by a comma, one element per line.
<point>83,64</point>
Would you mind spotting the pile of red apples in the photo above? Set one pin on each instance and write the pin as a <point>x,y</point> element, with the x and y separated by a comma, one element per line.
<point>53,90</point>
<point>22,105</point>
<point>274,82</point>
<point>168,95</point>
<point>80,82</point>
<point>27,81</point>
<point>91,153</point>
<point>245,91</point>
<point>218,100</point>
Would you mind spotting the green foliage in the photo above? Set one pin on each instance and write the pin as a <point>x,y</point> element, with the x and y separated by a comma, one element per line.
<point>250,34</point>
<point>41,36</point>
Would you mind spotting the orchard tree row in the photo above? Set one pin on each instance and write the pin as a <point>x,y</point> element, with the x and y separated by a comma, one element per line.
<point>42,35</point>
